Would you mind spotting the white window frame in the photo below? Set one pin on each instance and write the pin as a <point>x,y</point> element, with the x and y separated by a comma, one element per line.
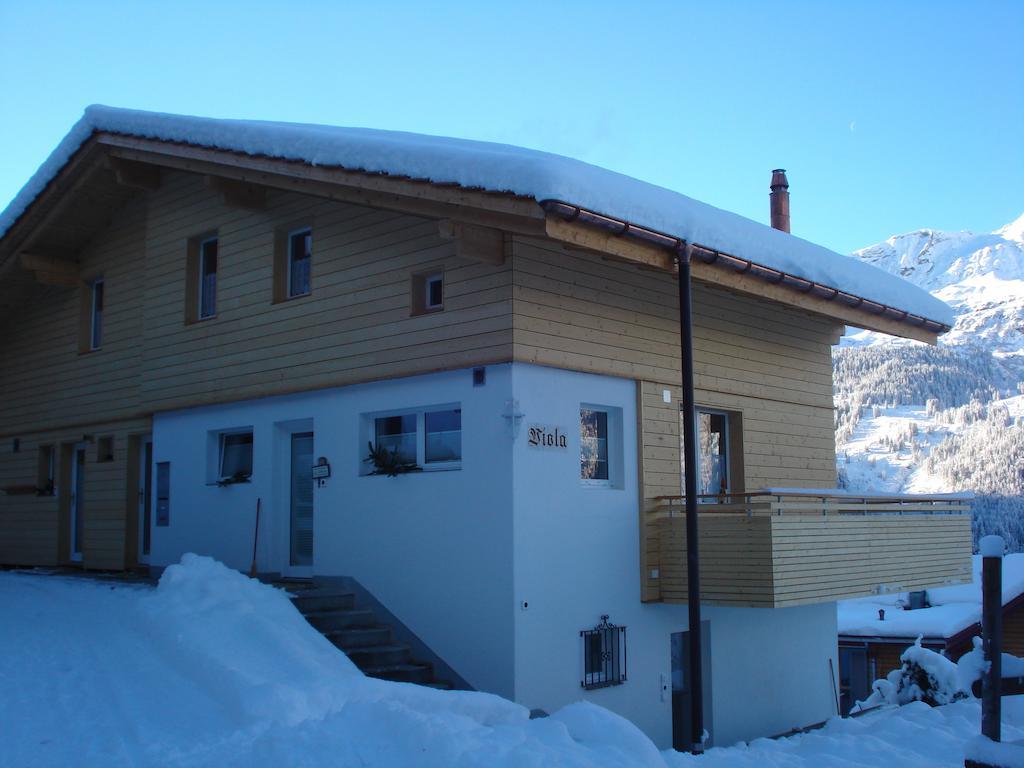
<point>607,481</point>
<point>221,439</point>
<point>291,260</point>
<point>437,277</point>
<point>95,343</point>
<point>370,420</point>
<point>202,282</point>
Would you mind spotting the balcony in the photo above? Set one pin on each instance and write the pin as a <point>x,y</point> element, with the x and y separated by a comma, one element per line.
<point>785,547</point>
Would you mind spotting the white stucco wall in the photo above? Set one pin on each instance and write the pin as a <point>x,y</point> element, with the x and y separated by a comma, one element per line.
<point>456,554</point>
<point>577,558</point>
<point>434,547</point>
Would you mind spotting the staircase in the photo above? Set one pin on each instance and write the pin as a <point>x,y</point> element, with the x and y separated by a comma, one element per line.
<point>368,643</point>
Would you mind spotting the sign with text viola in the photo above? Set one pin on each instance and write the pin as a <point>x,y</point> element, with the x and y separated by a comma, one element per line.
<point>541,436</point>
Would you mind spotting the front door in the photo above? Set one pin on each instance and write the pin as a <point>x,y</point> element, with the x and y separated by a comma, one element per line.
<point>682,732</point>
<point>145,498</point>
<point>77,501</point>
<point>301,549</point>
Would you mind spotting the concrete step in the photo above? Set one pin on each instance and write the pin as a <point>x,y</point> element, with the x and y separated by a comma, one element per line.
<point>310,600</point>
<point>361,637</point>
<point>373,656</point>
<point>402,673</point>
<point>333,621</point>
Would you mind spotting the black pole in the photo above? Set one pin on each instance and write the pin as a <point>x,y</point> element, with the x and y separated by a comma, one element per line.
<point>992,636</point>
<point>690,492</point>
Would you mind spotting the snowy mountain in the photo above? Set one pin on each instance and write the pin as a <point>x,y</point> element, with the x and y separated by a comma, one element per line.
<point>980,275</point>
<point>917,419</point>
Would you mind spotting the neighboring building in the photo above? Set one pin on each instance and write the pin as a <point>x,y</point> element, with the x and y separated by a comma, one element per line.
<point>196,312</point>
<point>874,631</point>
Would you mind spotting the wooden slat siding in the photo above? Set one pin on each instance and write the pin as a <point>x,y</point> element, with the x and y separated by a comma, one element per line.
<point>575,310</point>
<point>355,326</point>
<point>31,526</point>
<point>1013,632</point>
<point>771,560</point>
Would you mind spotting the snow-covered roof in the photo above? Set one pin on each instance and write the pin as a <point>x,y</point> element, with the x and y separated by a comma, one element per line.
<point>953,609</point>
<point>499,168</point>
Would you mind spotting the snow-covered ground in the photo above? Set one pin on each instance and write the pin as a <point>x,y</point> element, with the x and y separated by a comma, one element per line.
<point>214,669</point>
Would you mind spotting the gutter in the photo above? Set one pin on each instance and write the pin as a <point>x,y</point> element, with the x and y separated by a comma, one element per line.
<point>569,212</point>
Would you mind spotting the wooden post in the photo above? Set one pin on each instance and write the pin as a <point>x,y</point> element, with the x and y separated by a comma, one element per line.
<point>992,635</point>
<point>690,492</point>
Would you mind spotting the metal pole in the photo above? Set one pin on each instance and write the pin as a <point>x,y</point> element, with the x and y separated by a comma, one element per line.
<point>690,491</point>
<point>992,636</point>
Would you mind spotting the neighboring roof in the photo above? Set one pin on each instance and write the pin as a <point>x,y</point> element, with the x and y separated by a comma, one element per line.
<point>953,609</point>
<point>499,168</point>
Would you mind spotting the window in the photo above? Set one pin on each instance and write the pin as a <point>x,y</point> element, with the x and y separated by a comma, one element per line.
<point>398,434</point>
<point>719,452</point>
<point>45,471</point>
<point>105,449</point>
<point>163,494</point>
<point>235,456</point>
<point>96,325</point>
<point>300,255</point>
<point>427,292</point>
<point>594,446</point>
<point>207,278</point>
<point>604,655</point>
<point>429,438</point>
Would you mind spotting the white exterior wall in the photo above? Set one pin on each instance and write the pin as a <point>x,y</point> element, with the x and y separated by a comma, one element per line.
<point>455,554</point>
<point>434,547</point>
<point>577,553</point>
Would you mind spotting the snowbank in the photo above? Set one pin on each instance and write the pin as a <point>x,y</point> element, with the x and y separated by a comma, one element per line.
<point>952,608</point>
<point>499,168</point>
<point>213,668</point>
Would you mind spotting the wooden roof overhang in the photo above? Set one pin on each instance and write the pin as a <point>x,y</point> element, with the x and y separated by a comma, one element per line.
<point>40,249</point>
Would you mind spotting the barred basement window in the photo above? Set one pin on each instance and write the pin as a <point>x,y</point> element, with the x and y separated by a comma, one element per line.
<point>604,655</point>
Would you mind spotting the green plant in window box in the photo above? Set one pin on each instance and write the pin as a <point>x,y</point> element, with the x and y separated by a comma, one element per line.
<point>238,477</point>
<point>389,463</point>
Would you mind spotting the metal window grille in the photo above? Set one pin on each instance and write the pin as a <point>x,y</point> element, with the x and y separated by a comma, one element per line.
<point>604,655</point>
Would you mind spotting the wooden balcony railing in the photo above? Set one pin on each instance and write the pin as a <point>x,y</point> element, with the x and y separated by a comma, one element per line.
<point>787,546</point>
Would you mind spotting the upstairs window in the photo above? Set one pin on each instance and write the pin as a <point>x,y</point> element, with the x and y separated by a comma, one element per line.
<point>300,256</point>
<point>719,453</point>
<point>427,292</point>
<point>96,324</point>
<point>208,278</point>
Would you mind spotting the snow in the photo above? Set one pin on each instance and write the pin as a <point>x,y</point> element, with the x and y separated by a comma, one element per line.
<point>498,168</point>
<point>912,736</point>
<point>991,546</point>
<point>952,608</point>
<point>997,754</point>
<point>213,668</point>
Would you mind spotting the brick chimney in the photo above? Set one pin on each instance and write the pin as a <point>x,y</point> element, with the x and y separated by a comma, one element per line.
<point>780,200</point>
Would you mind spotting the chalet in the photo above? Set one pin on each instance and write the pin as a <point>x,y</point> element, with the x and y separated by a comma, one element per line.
<point>205,317</point>
<point>874,631</point>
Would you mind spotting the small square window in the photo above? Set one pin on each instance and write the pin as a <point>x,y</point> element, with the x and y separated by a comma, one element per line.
<point>208,278</point>
<point>235,456</point>
<point>594,446</point>
<point>434,292</point>
<point>443,436</point>
<point>397,433</point>
<point>300,257</point>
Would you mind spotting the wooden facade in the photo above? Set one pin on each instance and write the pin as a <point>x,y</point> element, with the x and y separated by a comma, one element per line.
<point>517,288</point>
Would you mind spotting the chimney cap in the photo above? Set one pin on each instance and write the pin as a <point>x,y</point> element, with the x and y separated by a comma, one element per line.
<point>779,178</point>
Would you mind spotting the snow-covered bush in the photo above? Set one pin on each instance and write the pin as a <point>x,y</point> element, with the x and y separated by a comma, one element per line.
<point>924,675</point>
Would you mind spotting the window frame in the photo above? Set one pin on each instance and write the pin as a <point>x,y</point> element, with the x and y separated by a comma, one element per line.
<point>428,281</point>
<point>606,481</point>
<point>732,450</point>
<point>612,656</point>
<point>420,436</point>
<point>96,329</point>
<point>222,438</point>
<point>201,282</point>
<point>290,260</point>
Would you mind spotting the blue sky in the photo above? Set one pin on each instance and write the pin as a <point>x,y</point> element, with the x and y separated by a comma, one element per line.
<point>888,116</point>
